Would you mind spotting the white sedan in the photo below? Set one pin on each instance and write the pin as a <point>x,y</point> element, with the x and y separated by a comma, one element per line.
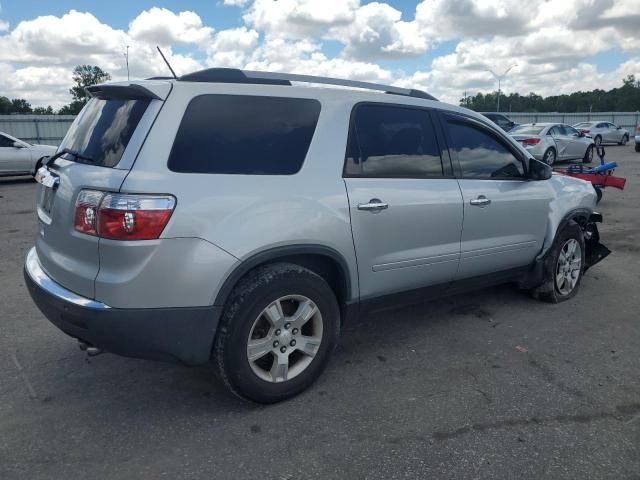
<point>18,157</point>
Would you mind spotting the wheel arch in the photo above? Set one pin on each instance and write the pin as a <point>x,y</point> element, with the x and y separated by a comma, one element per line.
<point>320,259</point>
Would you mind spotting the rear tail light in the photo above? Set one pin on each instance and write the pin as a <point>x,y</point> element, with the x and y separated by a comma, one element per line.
<point>530,141</point>
<point>638,129</point>
<point>585,130</point>
<point>122,216</point>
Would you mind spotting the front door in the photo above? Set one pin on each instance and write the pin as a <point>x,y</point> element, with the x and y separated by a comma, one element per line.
<point>406,208</point>
<point>505,214</point>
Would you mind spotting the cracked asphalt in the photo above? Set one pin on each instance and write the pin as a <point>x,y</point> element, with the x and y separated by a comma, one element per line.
<point>485,385</point>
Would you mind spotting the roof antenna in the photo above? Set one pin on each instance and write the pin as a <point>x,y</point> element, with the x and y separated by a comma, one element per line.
<point>167,62</point>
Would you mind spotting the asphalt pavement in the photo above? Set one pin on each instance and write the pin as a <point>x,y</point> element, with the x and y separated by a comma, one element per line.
<point>490,384</point>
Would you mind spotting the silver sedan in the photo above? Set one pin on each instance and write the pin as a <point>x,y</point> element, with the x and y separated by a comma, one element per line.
<point>18,157</point>
<point>604,132</point>
<point>551,142</point>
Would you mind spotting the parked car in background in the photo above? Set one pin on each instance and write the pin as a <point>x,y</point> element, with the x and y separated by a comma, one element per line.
<point>603,132</point>
<point>551,142</point>
<point>18,157</point>
<point>230,216</point>
<point>501,120</point>
<point>637,138</point>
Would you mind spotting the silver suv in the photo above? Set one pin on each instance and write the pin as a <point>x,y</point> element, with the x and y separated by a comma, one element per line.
<point>231,216</point>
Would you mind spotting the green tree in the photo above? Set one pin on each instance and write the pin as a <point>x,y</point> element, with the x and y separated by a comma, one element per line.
<point>43,110</point>
<point>20,105</point>
<point>83,76</point>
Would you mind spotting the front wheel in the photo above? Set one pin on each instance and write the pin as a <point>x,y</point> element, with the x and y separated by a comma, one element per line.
<point>277,333</point>
<point>563,266</point>
<point>597,140</point>
<point>625,139</point>
<point>588,155</point>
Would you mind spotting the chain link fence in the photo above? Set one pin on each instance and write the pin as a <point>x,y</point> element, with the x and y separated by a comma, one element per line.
<point>627,120</point>
<point>42,129</point>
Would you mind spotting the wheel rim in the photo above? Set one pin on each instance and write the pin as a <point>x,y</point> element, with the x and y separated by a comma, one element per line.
<point>624,140</point>
<point>590,153</point>
<point>284,338</point>
<point>598,141</point>
<point>568,267</point>
<point>548,158</point>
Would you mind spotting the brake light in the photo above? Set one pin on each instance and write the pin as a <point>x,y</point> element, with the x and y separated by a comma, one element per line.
<point>86,213</point>
<point>638,129</point>
<point>122,216</point>
<point>585,130</point>
<point>530,141</point>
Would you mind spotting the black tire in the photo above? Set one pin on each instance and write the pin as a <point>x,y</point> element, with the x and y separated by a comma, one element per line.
<point>637,147</point>
<point>549,156</point>
<point>625,139</point>
<point>38,165</point>
<point>251,296</point>
<point>549,290</point>
<point>598,193</point>
<point>588,155</point>
<point>597,140</point>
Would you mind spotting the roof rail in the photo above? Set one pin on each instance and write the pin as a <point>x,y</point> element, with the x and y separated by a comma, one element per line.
<point>233,75</point>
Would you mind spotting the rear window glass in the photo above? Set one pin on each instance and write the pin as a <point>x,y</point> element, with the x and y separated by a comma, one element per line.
<point>527,130</point>
<point>243,134</point>
<point>103,129</point>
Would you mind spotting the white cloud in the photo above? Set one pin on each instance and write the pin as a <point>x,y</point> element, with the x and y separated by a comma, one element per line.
<point>299,18</point>
<point>164,27</point>
<point>551,43</point>
<point>378,32</point>
<point>230,47</point>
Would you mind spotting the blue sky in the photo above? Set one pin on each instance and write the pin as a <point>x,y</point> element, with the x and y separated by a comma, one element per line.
<point>443,46</point>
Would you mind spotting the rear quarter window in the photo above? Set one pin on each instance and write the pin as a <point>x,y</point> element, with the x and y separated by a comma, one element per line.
<point>244,134</point>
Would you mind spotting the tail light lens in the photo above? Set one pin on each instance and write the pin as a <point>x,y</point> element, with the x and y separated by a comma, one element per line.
<point>638,129</point>
<point>585,130</point>
<point>530,141</point>
<point>122,216</point>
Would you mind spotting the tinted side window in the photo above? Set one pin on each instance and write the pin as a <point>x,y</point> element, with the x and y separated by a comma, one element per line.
<point>481,155</point>
<point>243,134</point>
<point>392,142</point>
<point>5,142</point>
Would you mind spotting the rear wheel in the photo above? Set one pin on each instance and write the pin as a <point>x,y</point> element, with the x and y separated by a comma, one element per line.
<point>563,266</point>
<point>38,165</point>
<point>277,333</point>
<point>549,156</point>
<point>637,147</point>
<point>625,139</point>
<point>588,155</point>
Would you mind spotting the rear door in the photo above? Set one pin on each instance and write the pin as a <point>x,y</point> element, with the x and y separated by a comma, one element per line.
<point>613,134</point>
<point>563,145</point>
<point>106,135</point>
<point>405,205</point>
<point>505,214</point>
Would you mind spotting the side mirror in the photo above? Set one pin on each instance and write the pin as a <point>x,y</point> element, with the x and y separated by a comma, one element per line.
<point>539,170</point>
<point>618,128</point>
<point>17,145</point>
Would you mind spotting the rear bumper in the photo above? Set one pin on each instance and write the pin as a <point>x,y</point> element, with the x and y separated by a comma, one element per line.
<point>183,335</point>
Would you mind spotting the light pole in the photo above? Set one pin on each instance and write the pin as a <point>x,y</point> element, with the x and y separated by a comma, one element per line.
<point>126,58</point>
<point>500,78</point>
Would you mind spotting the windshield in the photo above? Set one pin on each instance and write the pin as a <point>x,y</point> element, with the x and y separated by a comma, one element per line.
<point>527,130</point>
<point>101,132</point>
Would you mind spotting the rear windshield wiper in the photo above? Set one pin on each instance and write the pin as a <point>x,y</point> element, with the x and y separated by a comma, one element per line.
<point>67,151</point>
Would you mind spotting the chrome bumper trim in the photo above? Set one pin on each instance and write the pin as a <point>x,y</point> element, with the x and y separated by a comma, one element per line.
<point>37,274</point>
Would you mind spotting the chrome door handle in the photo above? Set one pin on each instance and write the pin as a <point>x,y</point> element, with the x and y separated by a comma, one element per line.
<point>374,205</point>
<point>481,201</point>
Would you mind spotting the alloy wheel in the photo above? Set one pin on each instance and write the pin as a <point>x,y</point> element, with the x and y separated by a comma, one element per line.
<point>284,338</point>
<point>568,267</point>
